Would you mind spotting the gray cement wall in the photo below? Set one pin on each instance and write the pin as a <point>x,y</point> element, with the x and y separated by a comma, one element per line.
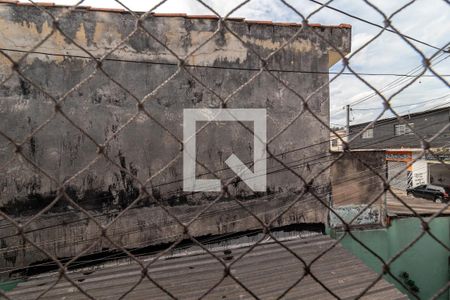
<point>354,186</point>
<point>100,107</point>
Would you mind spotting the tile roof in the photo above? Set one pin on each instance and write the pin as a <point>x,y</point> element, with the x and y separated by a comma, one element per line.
<point>267,270</point>
<point>119,10</point>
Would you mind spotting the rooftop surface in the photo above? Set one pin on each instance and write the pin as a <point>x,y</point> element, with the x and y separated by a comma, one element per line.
<point>267,270</point>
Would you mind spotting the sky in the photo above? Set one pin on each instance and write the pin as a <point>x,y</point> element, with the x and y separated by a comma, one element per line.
<point>424,20</point>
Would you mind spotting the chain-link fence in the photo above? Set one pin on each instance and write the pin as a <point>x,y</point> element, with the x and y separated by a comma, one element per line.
<point>82,78</point>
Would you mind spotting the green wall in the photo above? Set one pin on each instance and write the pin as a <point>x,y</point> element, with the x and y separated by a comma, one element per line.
<point>426,262</point>
<point>9,285</point>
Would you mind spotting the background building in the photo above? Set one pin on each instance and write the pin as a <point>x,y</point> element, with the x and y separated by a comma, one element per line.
<point>335,142</point>
<point>403,147</point>
<point>391,134</point>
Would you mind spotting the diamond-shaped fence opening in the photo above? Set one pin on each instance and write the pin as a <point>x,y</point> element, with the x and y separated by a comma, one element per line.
<point>103,167</point>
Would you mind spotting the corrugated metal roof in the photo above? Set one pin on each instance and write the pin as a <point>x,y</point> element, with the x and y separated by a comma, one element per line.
<point>268,270</point>
<point>179,15</point>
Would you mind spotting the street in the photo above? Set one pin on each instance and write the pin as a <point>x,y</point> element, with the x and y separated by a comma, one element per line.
<point>420,206</point>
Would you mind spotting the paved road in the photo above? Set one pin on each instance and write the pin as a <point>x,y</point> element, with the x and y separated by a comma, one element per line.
<point>420,206</point>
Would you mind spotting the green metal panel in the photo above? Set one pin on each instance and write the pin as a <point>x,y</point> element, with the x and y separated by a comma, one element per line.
<point>9,285</point>
<point>424,266</point>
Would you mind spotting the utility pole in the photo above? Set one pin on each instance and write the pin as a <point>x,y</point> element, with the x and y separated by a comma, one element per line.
<point>347,107</point>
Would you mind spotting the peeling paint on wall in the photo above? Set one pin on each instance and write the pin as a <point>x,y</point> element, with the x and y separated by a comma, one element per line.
<point>143,148</point>
<point>369,216</point>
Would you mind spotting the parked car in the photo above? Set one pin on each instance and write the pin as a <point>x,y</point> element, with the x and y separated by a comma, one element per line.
<point>436,193</point>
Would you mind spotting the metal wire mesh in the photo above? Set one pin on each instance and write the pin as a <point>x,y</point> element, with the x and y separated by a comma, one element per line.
<point>18,67</point>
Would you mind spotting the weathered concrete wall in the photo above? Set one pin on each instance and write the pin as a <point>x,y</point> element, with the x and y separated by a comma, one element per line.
<point>354,186</point>
<point>100,107</point>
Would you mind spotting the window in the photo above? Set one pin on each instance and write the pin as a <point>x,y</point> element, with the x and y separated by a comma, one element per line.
<point>402,129</point>
<point>334,143</point>
<point>368,134</point>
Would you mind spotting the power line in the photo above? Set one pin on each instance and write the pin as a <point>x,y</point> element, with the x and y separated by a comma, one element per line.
<point>424,111</point>
<point>405,105</point>
<point>390,86</point>
<point>317,159</point>
<point>350,179</point>
<point>293,164</point>
<point>275,171</point>
<point>302,160</point>
<point>399,81</point>
<point>271,170</point>
<point>373,24</point>
<point>219,67</point>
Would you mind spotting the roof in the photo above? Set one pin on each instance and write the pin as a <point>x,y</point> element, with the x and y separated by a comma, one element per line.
<point>408,116</point>
<point>267,270</point>
<point>214,17</point>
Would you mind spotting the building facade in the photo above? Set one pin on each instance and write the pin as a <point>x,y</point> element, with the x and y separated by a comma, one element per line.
<point>336,141</point>
<point>149,147</point>
<point>391,134</point>
<point>406,166</point>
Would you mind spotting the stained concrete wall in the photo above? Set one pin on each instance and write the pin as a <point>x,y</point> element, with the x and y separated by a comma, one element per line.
<point>100,107</point>
<point>439,174</point>
<point>354,186</point>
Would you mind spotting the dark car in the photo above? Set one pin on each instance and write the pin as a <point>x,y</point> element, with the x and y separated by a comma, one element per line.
<point>436,193</point>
